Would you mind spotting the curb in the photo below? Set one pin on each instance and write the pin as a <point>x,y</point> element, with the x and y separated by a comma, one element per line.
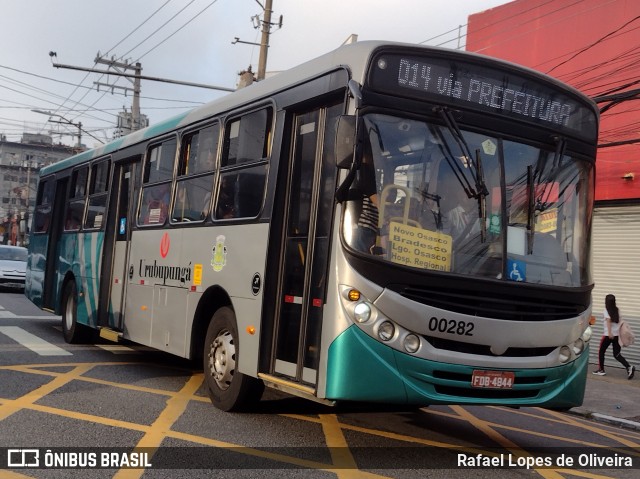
<point>616,421</point>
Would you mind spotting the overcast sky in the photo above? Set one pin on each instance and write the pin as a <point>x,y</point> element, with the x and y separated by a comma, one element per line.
<point>187,40</point>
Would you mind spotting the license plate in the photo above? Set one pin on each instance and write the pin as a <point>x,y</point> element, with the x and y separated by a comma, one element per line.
<point>493,379</point>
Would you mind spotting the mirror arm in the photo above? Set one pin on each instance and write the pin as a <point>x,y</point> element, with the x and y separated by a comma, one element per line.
<point>342,191</point>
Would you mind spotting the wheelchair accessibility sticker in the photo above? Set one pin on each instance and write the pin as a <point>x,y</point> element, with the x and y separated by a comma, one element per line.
<point>517,270</point>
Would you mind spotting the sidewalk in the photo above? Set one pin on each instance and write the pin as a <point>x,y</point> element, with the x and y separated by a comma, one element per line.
<point>612,398</point>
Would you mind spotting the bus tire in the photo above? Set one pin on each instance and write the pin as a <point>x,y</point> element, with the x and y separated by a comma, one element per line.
<point>73,332</point>
<point>228,389</point>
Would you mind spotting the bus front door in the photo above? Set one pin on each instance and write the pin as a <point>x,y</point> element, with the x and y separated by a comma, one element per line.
<point>113,278</point>
<point>50,292</point>
<point>310,206</point>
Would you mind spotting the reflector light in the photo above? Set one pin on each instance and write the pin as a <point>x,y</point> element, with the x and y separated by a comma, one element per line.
<point>354,295</point>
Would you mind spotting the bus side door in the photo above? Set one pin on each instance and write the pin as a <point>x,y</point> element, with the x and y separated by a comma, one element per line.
<point>306,245</point>
<point>114,273</point>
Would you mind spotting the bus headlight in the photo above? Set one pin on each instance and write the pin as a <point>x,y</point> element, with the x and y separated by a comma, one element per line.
<point>586,335</point>
<point>386,330</point>
<point>578,347</point>
<point>362,312</point>
<point>565,354</point>
<point>411,343</point>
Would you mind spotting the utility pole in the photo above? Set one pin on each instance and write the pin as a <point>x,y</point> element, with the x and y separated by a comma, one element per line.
<point>67,122</point>
<point>135,106</point>
<point>264,44</point>
<point>137,68</point>
<point>266,31</point>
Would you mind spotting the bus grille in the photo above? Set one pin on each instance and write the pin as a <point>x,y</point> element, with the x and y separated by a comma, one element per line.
<point>491,304</point>
<point>484,350</point>
<point>486,393</point>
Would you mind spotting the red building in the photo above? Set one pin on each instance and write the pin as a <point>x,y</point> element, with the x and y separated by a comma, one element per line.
<point>593,45</point>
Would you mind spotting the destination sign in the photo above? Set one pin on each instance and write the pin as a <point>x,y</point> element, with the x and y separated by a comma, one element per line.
<point>496,90</point>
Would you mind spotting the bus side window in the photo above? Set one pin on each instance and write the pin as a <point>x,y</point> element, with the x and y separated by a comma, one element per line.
<point>44,201</point>
<point>195,175</point>
<point>76,200</point>
<point>98,193</point>
<point>244,165</point>
<point>156,183</point>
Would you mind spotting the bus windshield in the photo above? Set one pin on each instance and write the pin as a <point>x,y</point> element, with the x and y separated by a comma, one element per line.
<point>444,199</point>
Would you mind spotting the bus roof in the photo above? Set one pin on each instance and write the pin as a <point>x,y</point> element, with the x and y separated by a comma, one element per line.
<point>355,57</point>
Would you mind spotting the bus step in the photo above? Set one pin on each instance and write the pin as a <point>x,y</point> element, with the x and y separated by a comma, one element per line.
<point>293,388</point>
<point>110,335</point>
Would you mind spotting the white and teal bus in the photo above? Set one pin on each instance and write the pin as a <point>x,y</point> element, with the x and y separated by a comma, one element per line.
<point>388,223</point>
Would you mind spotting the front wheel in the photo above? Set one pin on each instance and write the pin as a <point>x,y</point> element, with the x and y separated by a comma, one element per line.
<point>73,332</point>
<point>228,389</point>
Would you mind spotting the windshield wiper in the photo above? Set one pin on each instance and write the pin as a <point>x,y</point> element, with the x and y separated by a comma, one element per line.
<point>451,124</point>
<point>531,212</point>
<point>480,191</point>
<point>482,199</point>
<point>537,204</point>
<point>542,199</point>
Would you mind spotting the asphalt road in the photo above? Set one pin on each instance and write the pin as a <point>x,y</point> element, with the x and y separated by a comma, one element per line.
<point>86,404</point>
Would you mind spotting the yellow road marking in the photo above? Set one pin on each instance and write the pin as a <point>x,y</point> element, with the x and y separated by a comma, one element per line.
<point>13,475</point>
<point>296,461</point>
<point>176,405</point>
<point>397,437</point>
<point>339,448</point>
<point>610,435</point>
<point>589,475</point>
<point>10,407</point>
<point>502,440</point>
<point>535,433</point>
<point>343,462</point>
<point>104,382</point>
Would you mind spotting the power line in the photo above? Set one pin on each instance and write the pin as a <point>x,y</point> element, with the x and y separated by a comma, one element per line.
<point>138,27</point>
<point>184,25</point>
<point>158,29</point>
<point>518,26</point>
<point>600,40</point>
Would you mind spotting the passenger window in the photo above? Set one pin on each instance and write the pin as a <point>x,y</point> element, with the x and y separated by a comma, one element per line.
<point>244,166</point>
<point>79,183</point>
<point>76,201</point>
<point>195,175</point>
<point>156,187</point>
<point>247,138</point>
<point>160,159</point>
<point>44,200</point>
<point>241,193</point>
<point>98,194</point>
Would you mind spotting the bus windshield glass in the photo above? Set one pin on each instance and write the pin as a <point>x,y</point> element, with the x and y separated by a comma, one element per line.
<point>444,199</point>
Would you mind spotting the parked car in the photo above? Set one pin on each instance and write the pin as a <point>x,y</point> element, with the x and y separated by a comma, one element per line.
<point>13,265</point>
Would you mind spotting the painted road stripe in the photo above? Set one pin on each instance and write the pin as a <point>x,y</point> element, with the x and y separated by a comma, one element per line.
<point>10,315</point>
<point>117,349</point>
<point>33,342</point>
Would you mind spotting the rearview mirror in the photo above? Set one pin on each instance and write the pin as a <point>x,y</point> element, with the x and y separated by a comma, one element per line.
<point>345,140</point>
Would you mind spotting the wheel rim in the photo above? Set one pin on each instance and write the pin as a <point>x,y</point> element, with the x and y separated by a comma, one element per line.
<point>222,359</point>
<point>68,313</point>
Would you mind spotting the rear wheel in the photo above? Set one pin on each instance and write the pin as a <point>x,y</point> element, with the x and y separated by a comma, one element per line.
<point>73,332</point>
<point>228,389</point>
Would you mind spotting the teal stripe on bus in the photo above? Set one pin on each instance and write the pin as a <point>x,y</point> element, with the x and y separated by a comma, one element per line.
<point>159,129</point>
<point>360,368</point>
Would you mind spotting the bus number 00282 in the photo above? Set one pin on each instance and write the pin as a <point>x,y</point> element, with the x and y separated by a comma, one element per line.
<point>451,326</point>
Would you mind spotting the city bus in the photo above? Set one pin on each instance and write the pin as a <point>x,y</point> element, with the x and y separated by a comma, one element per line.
<point>387,223</point>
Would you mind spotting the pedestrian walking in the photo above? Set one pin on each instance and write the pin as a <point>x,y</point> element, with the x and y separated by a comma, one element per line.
<point>611,317</point>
